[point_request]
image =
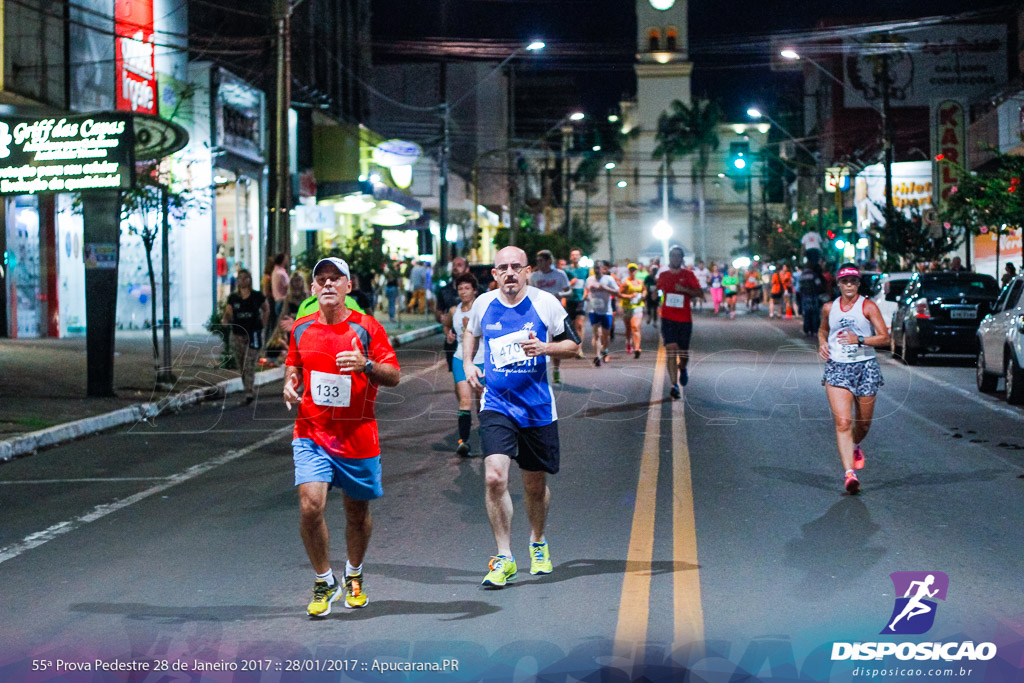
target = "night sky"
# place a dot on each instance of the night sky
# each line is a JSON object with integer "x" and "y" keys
{"x": 592, "y": 41}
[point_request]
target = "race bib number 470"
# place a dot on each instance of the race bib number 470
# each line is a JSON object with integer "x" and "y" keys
{"x": 507, "y": 349}
{"x": 328, "y": 389}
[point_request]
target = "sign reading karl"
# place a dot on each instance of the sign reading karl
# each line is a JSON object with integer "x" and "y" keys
{"x": 66, "y": 154}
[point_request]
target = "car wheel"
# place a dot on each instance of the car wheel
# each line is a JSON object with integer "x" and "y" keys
{"x": 1014, "y": 381}
{"x": 986, "y": 381}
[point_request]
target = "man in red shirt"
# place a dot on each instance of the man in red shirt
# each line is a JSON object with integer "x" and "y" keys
{"x": 339, "y": 356}
{"x": 678, "y": 286}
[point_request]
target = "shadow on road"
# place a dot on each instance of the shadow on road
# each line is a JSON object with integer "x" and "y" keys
{"x": 834, "y": 549}
{"x": 464, "y": 609}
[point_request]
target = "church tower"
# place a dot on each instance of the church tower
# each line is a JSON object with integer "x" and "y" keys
{"x": 663, "y": 68}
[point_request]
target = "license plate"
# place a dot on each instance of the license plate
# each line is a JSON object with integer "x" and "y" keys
{"x": 963, "y": 315}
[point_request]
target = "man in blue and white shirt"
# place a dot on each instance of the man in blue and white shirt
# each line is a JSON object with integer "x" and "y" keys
{"x": 520, "y": 327}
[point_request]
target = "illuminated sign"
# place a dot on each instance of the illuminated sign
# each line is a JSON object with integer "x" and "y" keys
{"x": 69, "y": 154}
{"x": 837, "y": 177}
{"x": 391, "y": 153}
{"x": 951, "y": 137}
{"x": 133, "y": 56}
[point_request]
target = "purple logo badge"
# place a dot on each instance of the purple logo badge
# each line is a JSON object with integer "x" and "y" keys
{"x": 916, "y": 593}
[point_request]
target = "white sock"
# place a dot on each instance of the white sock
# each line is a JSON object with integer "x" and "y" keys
{"x": 352, "y": 571}
{"x": 849, "y": 471}
{"x": 327, "y": 576}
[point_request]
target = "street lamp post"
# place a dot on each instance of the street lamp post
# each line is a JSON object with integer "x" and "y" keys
{"x": 883, "y": 112}
{"x": 446, "y": 115}
{"x": 611, "y": 210}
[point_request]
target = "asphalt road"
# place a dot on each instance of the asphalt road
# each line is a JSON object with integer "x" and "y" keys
{"x": 710, "y": 534}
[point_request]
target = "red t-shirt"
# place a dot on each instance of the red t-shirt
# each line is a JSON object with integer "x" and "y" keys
{"x": 337, "y": 408}
{"x": 676, "y": 306}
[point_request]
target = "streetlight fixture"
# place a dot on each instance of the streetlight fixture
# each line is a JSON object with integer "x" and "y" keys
{"x": 609, "y": 166}
{"x": 613, "y": 118}
{"x": 596, "y": 148}
{"x": 663, "y": 231}
{"x": 790, "y": 53}
{"x": 536, "y": 45}
{"x": 577, "y": 116}
{"x": 622, "y": 183}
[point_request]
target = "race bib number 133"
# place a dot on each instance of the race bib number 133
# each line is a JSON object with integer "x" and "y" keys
{"x": 328, "y": 389}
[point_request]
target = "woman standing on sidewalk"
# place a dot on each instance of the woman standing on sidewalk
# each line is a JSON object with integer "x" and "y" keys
{"x": 247, "y": 312}
{"x": 851, "y": 327}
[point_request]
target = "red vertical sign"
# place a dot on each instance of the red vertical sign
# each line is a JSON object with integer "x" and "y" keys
{"x": 133, "y": 56}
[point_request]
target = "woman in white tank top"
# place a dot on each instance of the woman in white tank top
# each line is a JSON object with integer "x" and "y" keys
{"x": 851, "y": 327}
{"x": 454, "y": 328}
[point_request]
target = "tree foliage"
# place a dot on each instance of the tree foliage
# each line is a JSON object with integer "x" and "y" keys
{"x": 912, "y": 240}
{"x": 531, "y": 240}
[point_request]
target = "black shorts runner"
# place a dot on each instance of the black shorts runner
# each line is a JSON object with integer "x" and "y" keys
{"x": 677, "y": 333}
{"x": 535, "y": 449}
{"x": 574, "y": 308}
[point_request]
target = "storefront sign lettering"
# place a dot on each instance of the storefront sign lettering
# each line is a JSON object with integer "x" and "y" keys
{"x": 133, "y": 56}
{"x": 65, "y": 155}
{"x": 950, "y": 132}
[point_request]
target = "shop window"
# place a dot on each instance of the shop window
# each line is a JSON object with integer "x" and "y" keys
{"x": 653, "y": 40}
{"x": 672, "y": 39}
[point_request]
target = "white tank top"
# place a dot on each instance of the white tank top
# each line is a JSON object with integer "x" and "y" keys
{"x": 855, "y": 321}
{"x": 459, "y": 320}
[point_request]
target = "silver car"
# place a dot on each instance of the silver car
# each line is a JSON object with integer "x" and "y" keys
{"x": 1001, "y": 343}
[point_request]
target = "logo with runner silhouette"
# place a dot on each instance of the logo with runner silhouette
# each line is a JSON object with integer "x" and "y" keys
{"x": 916, "y": 595}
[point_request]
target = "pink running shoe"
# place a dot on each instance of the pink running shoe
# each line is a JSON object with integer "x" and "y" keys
{"x": 852, "y": 484}
{"x": 858, "y": 458}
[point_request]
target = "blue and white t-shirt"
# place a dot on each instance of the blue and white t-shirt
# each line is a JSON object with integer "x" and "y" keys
{"x": 517, "y": 386}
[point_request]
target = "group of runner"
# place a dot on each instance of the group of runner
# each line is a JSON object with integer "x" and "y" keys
{"x": 338, "y": 357}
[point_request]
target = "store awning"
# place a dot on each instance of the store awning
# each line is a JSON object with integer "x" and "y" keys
{"x": 378, "y": 203}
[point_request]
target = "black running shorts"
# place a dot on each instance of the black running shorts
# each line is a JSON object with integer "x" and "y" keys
{"x": 535, "y": 449}
{"x": 677, "y": 333}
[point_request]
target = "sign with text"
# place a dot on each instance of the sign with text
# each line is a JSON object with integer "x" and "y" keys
{"x": 966, "y": 61}
{"x": 69, "y": 154}
{"x": 950, "y": 128}
{"x": 133, "y": 56}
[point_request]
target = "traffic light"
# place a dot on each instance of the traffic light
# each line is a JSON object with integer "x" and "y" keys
{"x": 740, "y": 162}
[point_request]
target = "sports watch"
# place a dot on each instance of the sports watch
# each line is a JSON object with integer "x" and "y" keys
{"x": 860, "y": 340}
{"x": 368, "y": 368}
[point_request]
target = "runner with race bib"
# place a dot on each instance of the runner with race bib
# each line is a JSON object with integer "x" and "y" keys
{"x": 520, "y": 327}
{"x": 340, "y": 357}
{"x": 679, "y": 286}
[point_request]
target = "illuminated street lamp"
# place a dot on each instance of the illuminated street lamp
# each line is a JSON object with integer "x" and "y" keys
{"x": 663, "y": 231}
{"x": 609, "y": 166}
{"x": 577, "y": 116}
{"x": 535, "y": 45}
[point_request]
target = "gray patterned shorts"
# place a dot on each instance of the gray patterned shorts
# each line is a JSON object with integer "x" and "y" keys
{"x": 862, "y": 379}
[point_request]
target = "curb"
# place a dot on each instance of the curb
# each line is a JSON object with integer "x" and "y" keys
{"x": 31, "y": 442}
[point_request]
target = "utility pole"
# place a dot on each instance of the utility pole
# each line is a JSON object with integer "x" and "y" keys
{"x": 887, "y": 149}
{"x": 278, "y": 239}
{"x": 446, "y": 112}
{"x": 611, "y": 216}
{"x": 165, "y": 375}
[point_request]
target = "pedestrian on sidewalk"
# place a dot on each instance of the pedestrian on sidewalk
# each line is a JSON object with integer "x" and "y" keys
{"x": 336, "y": 361}
{"x": 248, "y": 314}
{"x": 851, "y": 327}
{"x": 520, "y": 327}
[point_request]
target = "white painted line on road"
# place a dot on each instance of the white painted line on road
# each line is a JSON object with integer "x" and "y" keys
{"x": 85, "y": 480}
{"x": 100, "y": 511}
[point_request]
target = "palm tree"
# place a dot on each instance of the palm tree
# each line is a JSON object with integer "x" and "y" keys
{"x": 691, "y": 129}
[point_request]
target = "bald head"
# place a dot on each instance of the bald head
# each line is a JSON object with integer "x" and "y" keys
{"x": 510, "y": 255}
{"x": 511, "y": 272}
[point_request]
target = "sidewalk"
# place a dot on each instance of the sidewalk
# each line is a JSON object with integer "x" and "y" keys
{"x": 42, "y": 382}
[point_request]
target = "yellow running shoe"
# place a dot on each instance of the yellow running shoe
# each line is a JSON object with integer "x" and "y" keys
{"x": 503, "y": 570}
{"x": 323, "y": 596}
{"x": 355, "y": 595}
{"x": 540, "y": 559}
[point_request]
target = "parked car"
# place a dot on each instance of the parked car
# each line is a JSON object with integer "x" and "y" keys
{"x": 1001, "y": 343}
{"x": 940, "y": 313}
{"x": 886, "y": 292}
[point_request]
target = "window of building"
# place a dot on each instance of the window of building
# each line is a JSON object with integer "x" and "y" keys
{"x": 672, "y": 39}
{"x": 653, "y": 40}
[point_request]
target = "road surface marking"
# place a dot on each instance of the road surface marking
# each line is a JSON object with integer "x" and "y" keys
{"x": 635, "y": 602}
{"x": 38, "y": 538}
{"x": 88, "y": 480}
{"x": 100, "y": 511}
{"x": 688, "y": 609}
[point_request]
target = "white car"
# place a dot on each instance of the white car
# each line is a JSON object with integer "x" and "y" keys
{"x": 1001, "y": 343}
{"x": 886, "y": 293}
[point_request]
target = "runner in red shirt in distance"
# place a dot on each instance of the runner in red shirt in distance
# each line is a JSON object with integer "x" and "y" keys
{"x": 678, "y": 287}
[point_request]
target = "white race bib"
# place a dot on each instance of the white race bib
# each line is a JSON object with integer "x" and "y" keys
{"x": 675, "y": 300}
{"x": 329, "y": 389}
{"x": 506, "y": 349}
{"x": 635, "y": 300}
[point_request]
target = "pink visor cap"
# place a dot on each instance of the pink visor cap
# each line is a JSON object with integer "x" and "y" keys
{"x": 848, "y": 272}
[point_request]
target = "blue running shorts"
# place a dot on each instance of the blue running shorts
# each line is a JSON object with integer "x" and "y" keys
{"x": 360, "y": 478}
{"x": 460, "y": 372}
{"x": 600, "y": 319}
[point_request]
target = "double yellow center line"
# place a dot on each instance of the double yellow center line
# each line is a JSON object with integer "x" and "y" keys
{"x": 634, "y": 604}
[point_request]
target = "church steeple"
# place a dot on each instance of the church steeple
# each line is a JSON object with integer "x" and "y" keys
{"x": 661, "y": 31}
